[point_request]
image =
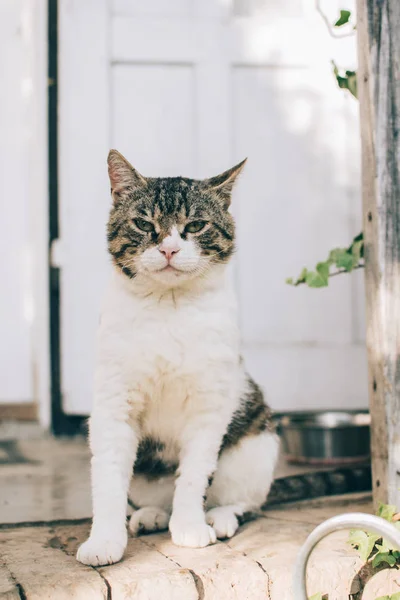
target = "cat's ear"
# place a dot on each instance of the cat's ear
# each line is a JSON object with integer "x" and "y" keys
{"x": 123, "y": 177}
{"x": 223, "y": 184}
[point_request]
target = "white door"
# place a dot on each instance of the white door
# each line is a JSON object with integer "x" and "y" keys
{"x": 191, "y": 87}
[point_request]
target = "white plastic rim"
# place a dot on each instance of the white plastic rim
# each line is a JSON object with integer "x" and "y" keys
{"x": 368, "y": 523}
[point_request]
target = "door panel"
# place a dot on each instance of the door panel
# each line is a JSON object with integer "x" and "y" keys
{"x": 151, "y": 123}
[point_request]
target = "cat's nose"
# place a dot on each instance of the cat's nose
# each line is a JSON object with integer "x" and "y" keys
{"x": 169, "y": 250}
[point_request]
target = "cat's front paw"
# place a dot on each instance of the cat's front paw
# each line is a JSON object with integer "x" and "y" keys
{"x": 99, "y": 550}
{"x": 191, "y": 534}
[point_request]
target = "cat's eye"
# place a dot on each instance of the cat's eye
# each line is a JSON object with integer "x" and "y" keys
{"x": 144, "y": 225}
{"x": 195, "y": 226}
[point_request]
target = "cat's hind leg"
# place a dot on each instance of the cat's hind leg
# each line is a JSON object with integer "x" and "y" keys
{"x": 148, "y": 520}
{"x": 241, "y": 482}
{"x": 152, "y": 499}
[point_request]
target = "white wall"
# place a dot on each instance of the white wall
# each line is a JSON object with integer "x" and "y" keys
{"x": 24, "y": 356}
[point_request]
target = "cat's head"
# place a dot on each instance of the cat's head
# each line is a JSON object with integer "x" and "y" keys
{"x": 171, "y": 229}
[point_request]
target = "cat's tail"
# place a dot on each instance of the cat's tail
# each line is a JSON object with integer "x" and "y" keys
{"x": 345, "y": 480}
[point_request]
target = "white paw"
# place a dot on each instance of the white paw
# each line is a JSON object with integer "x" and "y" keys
{"x": 98, "y": 550}
{"x": 191, "y": 534}
{"x": 148, "y": 519}
{"x": 224, "y": 521}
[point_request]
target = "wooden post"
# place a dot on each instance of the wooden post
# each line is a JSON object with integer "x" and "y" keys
{"x": 378, "y": 27}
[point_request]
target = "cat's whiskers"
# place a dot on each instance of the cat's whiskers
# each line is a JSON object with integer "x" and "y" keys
{"x": 216, "y": 254}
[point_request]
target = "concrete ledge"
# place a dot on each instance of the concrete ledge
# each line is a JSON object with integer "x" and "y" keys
{"x": 38, "y": 562}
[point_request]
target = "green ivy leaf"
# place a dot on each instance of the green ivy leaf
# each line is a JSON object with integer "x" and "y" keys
{"x": 359, "y": 237}
{"x": 351, "y": 83}
{"x": 345, "y": 261}
{"x": 344, "y": 18}
{"x": 383, "y": 557}
{"x": 395, "y": 596}
{"x": 386, "y": 511}
{"x": 315, "y": 280}
{"x": 384, "y": 547}
{"x": 316, "y": 596}
{"x": 334, "y": 255}
{"x": 363, "y": 542}
{"x": 357, "y": 246}
{"x": 335, "y": 68}
{"x": 323, "y": 270}
{"x": 356, "y": 249}
{"x": 319, "y": 277}
{"x": 346, "y": 80}
{"x": 302, "y": 276}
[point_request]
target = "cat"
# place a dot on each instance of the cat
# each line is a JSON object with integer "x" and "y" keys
{"x": 172, "y": 401}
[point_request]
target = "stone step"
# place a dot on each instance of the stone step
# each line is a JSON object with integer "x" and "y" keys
{"x": 38, "y": 562}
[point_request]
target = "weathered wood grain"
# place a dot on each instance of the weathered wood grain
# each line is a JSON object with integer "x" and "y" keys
{"x": 378, "y": 26}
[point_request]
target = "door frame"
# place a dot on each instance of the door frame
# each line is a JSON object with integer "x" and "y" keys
{"x": 61, "y": 423}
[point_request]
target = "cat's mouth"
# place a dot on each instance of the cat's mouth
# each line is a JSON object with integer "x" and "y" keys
{"x": 169, "y": 269}
{"x": 175, "y": 271}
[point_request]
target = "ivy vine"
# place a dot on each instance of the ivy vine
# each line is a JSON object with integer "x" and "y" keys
{"x": 340, "y": 260}
{"x": 344, "y": 259}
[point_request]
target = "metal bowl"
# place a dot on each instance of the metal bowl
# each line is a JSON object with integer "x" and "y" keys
{"x": 326, "y": 437}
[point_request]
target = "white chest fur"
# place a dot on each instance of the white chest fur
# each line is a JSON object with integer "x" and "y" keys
{"x": 170, "y": 347}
